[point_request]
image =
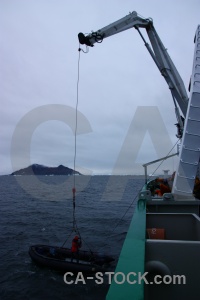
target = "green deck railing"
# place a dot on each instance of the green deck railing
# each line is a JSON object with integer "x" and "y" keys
{"x": 125, "y": 284}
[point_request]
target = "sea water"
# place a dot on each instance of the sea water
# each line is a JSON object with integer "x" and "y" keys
{"x": 39, "y": 210}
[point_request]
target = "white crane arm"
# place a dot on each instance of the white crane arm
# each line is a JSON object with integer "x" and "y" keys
{"x": 156, "y": 50}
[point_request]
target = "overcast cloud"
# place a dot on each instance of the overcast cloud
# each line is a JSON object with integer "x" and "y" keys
{"x": 39, "y": 59}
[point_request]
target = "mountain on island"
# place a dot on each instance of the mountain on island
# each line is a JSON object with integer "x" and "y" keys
{"x": 36, "y": 169}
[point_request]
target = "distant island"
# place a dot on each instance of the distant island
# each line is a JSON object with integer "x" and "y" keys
{"x": 44, "y": 170}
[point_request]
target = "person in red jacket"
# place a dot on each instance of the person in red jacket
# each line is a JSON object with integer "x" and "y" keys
{"x": 76, "y": 245}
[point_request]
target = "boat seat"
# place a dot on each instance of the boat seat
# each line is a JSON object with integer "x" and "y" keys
{"x": 156, "y": 233}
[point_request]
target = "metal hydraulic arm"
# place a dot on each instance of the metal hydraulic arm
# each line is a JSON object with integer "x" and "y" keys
{"x": 157, "y": 51}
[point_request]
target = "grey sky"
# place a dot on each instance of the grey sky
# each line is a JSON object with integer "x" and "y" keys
{"x": 39, "y": 58}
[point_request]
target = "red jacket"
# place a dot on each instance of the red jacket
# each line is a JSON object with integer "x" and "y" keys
{"x": 75, "y": 245}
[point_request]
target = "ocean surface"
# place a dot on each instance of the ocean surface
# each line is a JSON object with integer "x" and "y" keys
{"x": 39, "y": 210}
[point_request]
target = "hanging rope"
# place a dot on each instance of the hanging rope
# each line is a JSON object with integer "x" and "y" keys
{"x": 76, "y": 122}
{"x": 75, "y": 227}
{"x": 66, "y": 239}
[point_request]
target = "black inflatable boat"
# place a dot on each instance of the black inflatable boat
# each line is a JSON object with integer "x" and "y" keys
{"x": 59, "y": 259}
